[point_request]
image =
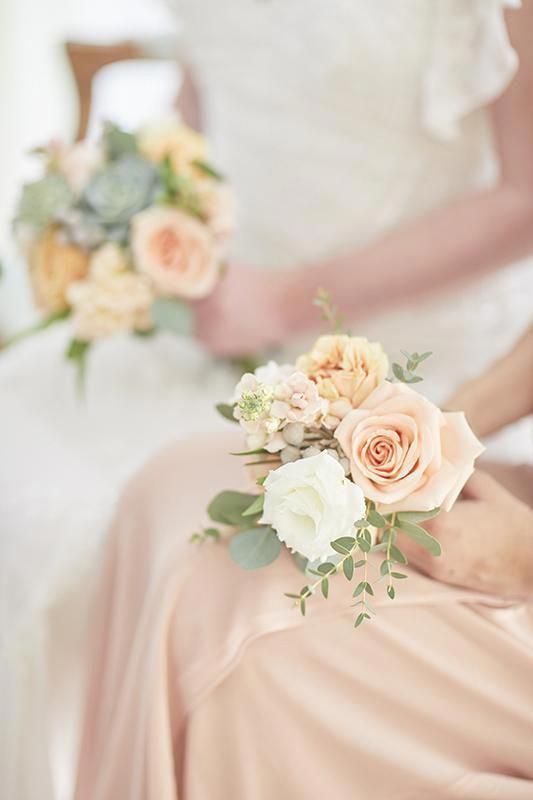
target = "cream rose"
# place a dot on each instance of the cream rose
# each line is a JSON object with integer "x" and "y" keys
{"x": 346, "y": 370}
{"x": 113, "y": 299}
{"x": 176, "y": 251}
{"x": 405, "y": 453}
{"x": 310, "y": 503}
{"x": 54, "y": 265}
{"x": 172, "y": 138}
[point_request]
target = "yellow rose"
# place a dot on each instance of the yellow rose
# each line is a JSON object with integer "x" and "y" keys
{"x": 54, "y": 266}
{"x": 346, "y": 370}
{"x": 174, "y": 139}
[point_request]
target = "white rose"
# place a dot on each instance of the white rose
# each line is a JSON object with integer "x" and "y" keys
{"x": 310, "y": 503}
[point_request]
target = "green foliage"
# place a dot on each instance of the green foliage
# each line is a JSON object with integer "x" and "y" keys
{"x": 77, "y": 352}
{"x": 256, "y": 507}
{"x": 343, "y": 545}
{"x": 329, "y": 312}
{"x": 226, "y": 410}
{"x": 407, "y": 374}
{"x": 125, "y": 187}
{"x": 417, "y": 516}
{"x": 375, "y": 519}
{"x": 207, "y": 534}
{"x": 172, "y": 315}
{"x": 347, "y": 566}
{"x": 208, "y": 170}
{"x": 255, "y": 548}
{"x": 420, "y": 536}
{"x": 44, "y": 201}
{"x": 118, "y": 142}
{"x": 179, "y": 190}
{"x": 227, "y": 507}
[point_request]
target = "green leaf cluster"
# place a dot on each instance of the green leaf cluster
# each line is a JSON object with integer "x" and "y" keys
{"x": 407, "y": 374}
{"x": 172, "y": 315}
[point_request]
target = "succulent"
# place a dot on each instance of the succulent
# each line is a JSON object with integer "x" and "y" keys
{"x": 44, "y": 201}
{"x": 121, "y": 190}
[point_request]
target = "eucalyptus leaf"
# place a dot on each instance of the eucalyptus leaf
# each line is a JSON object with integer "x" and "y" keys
{"x": 255, "y": 548}
{"x": 343, "y": 545}
{"x": 397, "y": 554}
{"x": 256, "y": 507}
{"x": 173, "y": 315}
{"x": 228, "y": 507}
{"x": 326, "y": 569}
{"x": 376, "y": 519}
{"x": 324, "y": 586}
{"x": 391, "y": 592}
{"x": 420, "y": 536}
{"x": 347, "y": 568}
{"x": 417, "y": 516}
{"x": 226, "y": 410}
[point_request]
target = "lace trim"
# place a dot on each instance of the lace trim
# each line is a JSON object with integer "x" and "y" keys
{"x": 473, "y": 62}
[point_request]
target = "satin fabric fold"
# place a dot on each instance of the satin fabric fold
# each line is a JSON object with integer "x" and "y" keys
{"x": 207, "y": 684}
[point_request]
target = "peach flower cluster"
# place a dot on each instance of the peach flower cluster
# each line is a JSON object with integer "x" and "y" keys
{"x": 346, "y": 369}
{"x": 113, "y": 299}
{"x": 176, "y": 251}
{"x": 272, "y": 399}
{"x": 405, "y": 453}
{"x": 398, "y": 447}
{"x": 54, "y": 265}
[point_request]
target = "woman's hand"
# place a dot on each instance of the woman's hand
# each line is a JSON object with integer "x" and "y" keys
{"x": 487, "y": 542}
{"x": 245, "y": 315}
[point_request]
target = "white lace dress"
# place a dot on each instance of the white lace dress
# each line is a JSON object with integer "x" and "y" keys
{"x": 336, "y": 122}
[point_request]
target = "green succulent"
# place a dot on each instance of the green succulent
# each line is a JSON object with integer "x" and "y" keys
{"x": 44, "y": 201}
{"x": 122, "y": 189}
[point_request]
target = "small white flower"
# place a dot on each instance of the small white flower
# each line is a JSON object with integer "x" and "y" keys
{"x": 310, "y": 503}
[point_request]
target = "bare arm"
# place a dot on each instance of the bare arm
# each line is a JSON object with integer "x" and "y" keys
{"x": 503, "y": 394}
{"x": 490, "y": 228}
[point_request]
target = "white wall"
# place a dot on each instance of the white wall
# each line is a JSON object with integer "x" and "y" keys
{"x": 38, "y": 101}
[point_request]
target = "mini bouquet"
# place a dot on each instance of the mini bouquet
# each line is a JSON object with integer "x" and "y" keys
{"x": 345, "y": 457}
{"x": 121, "y": 234}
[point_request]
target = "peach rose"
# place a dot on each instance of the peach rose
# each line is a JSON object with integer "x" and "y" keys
{"x": 54, "y": 266}
{"x": 176, "y": 251}
{"x": 406, "y": 454}
{"x": 174, "y": 139}
{"x": 113, "y": 299}
{"x": 346, "y": 370}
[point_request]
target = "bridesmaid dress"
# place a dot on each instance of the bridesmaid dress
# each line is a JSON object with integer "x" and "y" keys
{"x": 206, "y": 683}
{"x": 342, "y": 121}
{"x": 336, "y": 122}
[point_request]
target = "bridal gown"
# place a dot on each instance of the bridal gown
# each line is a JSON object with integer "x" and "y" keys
{"x": 339, "y": 121}
{"x": 336, "y": 122}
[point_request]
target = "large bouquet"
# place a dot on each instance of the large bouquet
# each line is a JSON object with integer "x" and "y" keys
{"x": 121, "y": 233}
{"x": 346, "y": 457}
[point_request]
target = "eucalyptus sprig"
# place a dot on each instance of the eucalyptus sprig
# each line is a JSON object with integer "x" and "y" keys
{"x": 408, "y": 374}
{"x": 329, "y": 312}
{"x": 347, "y": 547}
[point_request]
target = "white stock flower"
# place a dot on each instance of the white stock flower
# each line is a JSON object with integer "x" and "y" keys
{"x": 310, "y": 503}
{"x": 272, "y": 398}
